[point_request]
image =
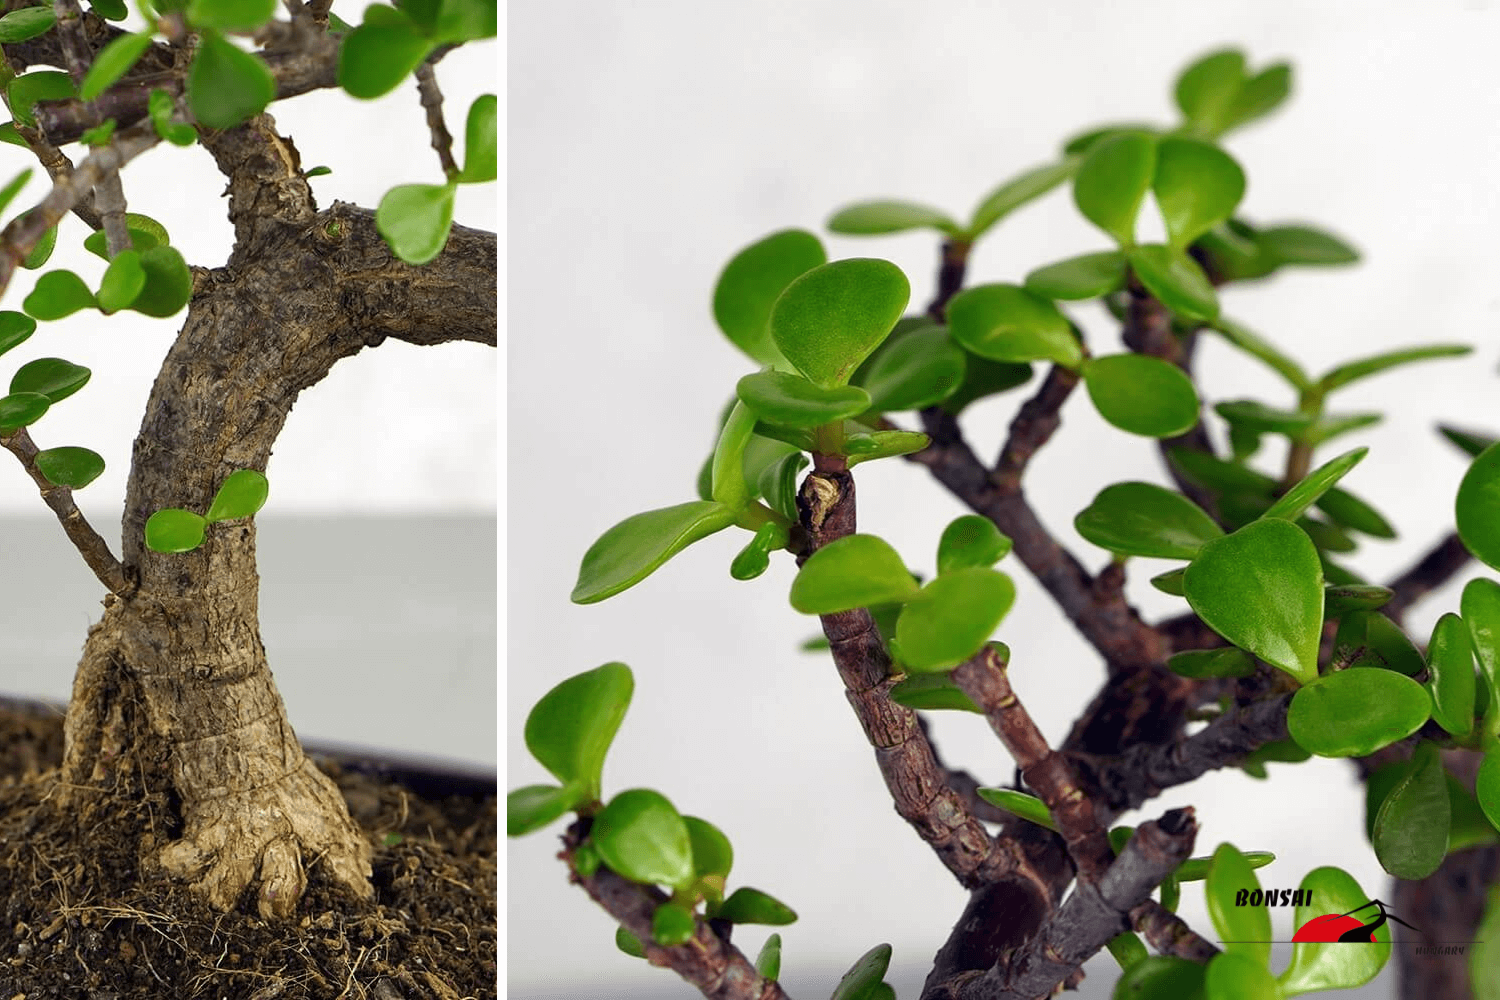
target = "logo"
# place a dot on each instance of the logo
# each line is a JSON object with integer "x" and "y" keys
{"x": 1358, "y": 926}
{"x": 1346, "y": 928}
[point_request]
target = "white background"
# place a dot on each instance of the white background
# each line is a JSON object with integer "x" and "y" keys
{"x": 651, "y": 141}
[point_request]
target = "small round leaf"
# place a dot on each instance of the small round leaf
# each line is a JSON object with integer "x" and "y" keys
{"x": 751, "y": 906}
{"x": 145, "y": 234}
{"x": 21, "y": 409}
{"x": 1451, "y": 681}
{"x": 831, "y": 318}
{"x": 768, "y": 960}
{"x": 751, "y": 283}
{"x": 1176, "y": 280}
{"x": 1141, "y": 394}
{"x": 70, "y": 466}
{"x": 58, "y": 294}
{"x": 1008, "y": 323}
{"x": 242, "y": 493}
{"x": 864, "y": 975}
{"x": 968, "y": 541}
{"x": 1142, "y": 519}
{"x": 1207, "y": 89}
{"x": 672, "y": 924}
{"x": 112, "y": 62}
{"x": 1226, "y": 662}
{"x": 1477, "y": 507}
{"x": 535, "y": 806}
{"x": 174, "y": 530}
{"x": 15, "y": 327}
{"x": 633, "y": 549}
{"x": 570, "y": 729}
{"x": 922, "y": 369}
{"x": 712, "y": 852}
{"x": 375, "y": 57}
{"x": 629, "y": 943}
{"x": 1334, "y": 965}
{"x": 873, "y": 218}
{"x": 950, "y": 618}
{"x": 415, "y": 220}
{"x": 1197, "y": 186}
{"x": 1245, "y": 930}
{"x": 1355, "y": 712}
{"x": 1113, "y": 180}
{"x": 1411, "y": 828}
{"x": 123, "y": 282}
{"x": 793, "y": 401}
{"x": 481, "y": 141}
{"x": 641, "y": 836}
{"x": 1089, "y": 276}
{"x": 52, "y": 377}
{"x": 856, "y": 571}
{"x": 226, "y": 85}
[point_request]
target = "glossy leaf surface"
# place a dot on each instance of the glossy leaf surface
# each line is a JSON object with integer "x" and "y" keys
{"x": 641, "y": 836}
{"x": 1314, "y": 485}
{"x": 1142, "y": 519}
{"x": 1365, "y": 367}
{"x": 1008, "y": 323}
{"x": 1112, "y": 181}
{"x": 70, "y": 466}
{"x": 1355, "y": 712}
{"x": 38, "y": 85}
{"x": 1305, "y": 246}
{"x": 751, "y": 283}
{"x": 1197, "y": 186}
{"x": 831, "y": 318}
{"x": 58, "y": 294}
{"x": 1207, "y": 89}
{"x": 1228, "y": 662}
{"x": 226, "y": 85}
{"x": 1480, "y": 607}
{"x": 242, "y": 494}
{"x": 123, "y": 282}
{"x": 535, "y": 806}
{"x": 145, "y": 234}
{"x": 872, "y": 218}
{"x": 481, "y": 141}
{"x": 26, "y": 23}
{"x": 1451, "y": 680}
{"x": 1260, "y": 95}
{"x": 768, "y": 959}
{"x": 415, "y": 220}
{"x": 21, "y": 409}
{"x": 1334, "y": 965}
{"x": 922, "y": 369}
{"x": 1233, "y": 976}
{"x": 932, "y": 692}
{"x": 169, "y": 283}
{"x": 1018, "y": 191}
{"x": 1243, "y": 930}
{"x": 1262, "y": 589}
{"x": 856, "y": 571}
{"x": 174, "y": 530}
{"x": 864, "y": 975}
{"x": 52, "y": 377}
{"x": 793, "y": 401}
{"x": 751, "y": 906}
{"x": 112, "y": 62}
{"x": 1161, "y": 978}
{"x": 672, "y": 924}
{"x": 633, "y": 549}
{"x": 1088, "y": 276}
{"x": 1411, "y": 828}
{"x": 1142, "y": 395}
{"x": 951, "y": 617}
{"x": 570, "y": 729}
{"x": 1028, "y": 807}
{"x": 15, "y": 327}
{"x": 968, "y": 541}
{"x": 1477, "y": 507}
{"x": 1176, "y": 280}
{"x": 375, "y": 57}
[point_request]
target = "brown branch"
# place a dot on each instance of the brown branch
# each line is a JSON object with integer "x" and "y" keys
{"x": 964, "y": 783}
{"x": 1033, "y": 427}
{"x": 1169, "y": 934}
{"x": 58, "y": 166}
{"x": 94, "y": 549}
{"x": 432, "y": 103}
{"x": 718, "y": 969}
{"x": 950, "y": 277}
{"x": 1441, "y": 563}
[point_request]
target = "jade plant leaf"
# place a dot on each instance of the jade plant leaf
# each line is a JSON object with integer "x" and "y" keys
{"x": 1083, "y": 142}
{"x": 1141, "y": 394}
{"x": 112, "y": 62}
{"x": 174, "y": 530}
{"x": 1085, "y": 277}
{"x": 123, "y": 282}
{"x": 1197, "y": 869}
{"x": 535, "y": 806}
{"x": 1127, "y": 949}
{"x": 70, "y": 466}
{"x": 1176, "y": 280}
{"x": 226, "y": 85}
{"x": 1260, "y": 95}
{"x": 1469, "y": 442}
{"x": 982, "y": 378}
{"x": 1028, "y": 807}
{"x": 1351, "y": 512}
{"x": 1018, "y": 191}
{"x": 862, "y": 447}
{"x": 1411, "y": 828}
{"x": 1477, "y": 507}
{"x": 1142, "y": 519}
{"x": 794, "y": 401}
{"x": 375, "y": 57}
{"x": 1240, "y": 977}
{"x": 1305, "y": 246}
{"x": 778, "y": 482}
{"x": 1370, "y": 639}
{"x": 1487, "y": 786}
{"x": 1262, "y": 589}
{"x": 58, "y": 294}
{"x": 1340, "y": 600}
{"x": 570, "y": 729}
{"x": 38, "y": 85}
{"x": 633, "y": 549}
{"x": 145, "y": 234}
{"x": 1314, "y": 485}
{"x": 1365, "y": 367}
{"x": 1008, "y": 323}
{"x": 629, "y": 943}
{"x": 856, "y": 571}
{"x": 1112, "y": 181}
{"x": 672, "y": 924}
{"x": 922, "y": 369}
{"x": 768, "y": 959}
{"x": 51, "y": 377}
{"x": 1480, "y": 607}
{"x": 642, "y": 837}
{"x": 932, "y": 692}
{"x": 751, "y": 283}
{"x": 230, "y": 15}
{"x": 1243, "y": 930}
{"x": 1161, "y": 977}
{"x": 1207, "y": 89}
{"x": 751, "y": 906}
{"x": 21, "y": 409}
{"x": 1451, "y": 680}
{"x": 242, "y": 494}
{"x": 26, "y": 23}
{"x": 415, "y": 220}
{"x": 169, "y": 283}
{"x": 968, "y": 541}
{"x": 1247, "y": 340}
{"x": 15, "y": 327}
{"x": 1226, "y": 662}
{"x": 728, "y": 477}
{"x": 864, "y": 975}
{"x": 1335, "y": 965}
{"x": 830, "y": 319}
{"x": 1275, "y": 752}
{"x": 481, "y": 139}
{"x": 1261, "y": 418}
{"x": 755, "y": 558}
{"x": 876, "y": 217}
{"x": 713, "y": 855}
{"x": 1355, "y": 712}
{"x": 1170, "y": 582}
{"x": 1197, "y": 186}
{"x": 951, "y": 617}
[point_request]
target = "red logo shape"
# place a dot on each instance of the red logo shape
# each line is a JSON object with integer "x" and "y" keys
{"x": 1330, "y": 928}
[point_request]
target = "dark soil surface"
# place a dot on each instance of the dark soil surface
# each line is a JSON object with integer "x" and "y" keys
{"x": 78, "y": 923}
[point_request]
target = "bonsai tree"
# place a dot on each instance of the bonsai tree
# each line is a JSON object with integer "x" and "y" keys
{"x": 173, "y": 697}
{"x": 1280, "y": 651}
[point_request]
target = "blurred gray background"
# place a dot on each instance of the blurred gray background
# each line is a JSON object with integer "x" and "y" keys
{"x": 650, "y": 141}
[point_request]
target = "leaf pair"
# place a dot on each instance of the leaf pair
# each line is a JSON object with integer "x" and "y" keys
{"x": 390, "y": 43}
{"x": 172, "y": 529}
{"x": 1216, "y": 93}
{"x": 415, "y": 219}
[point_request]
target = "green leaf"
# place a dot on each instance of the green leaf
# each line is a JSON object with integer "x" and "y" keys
{"x": 751, "y": 906}
{"x": 1197, "y": 186}
{"x": 1305, "y": 246}
{"x": 9, "y": 134}
{"x": 42, "y": 252}
{"x": 755, "y": 558}
{"x": 1176, "y": 280}
{"x": 28, "y": 22}
{"x": 629, "y": 943}
{"x": 39, "y": 85}
{"x": 174, "y": 530}
{"x": 712, "y": 852}
{"x": 162, "y": 106}
{"x": 1206, "y": 90}
{"x": 226, "y": 85}
{"x": 535, "y": 806}
{"x": 1358, "y": 597}
{"x": 1365, "y": 367}
{"x": 1142, "y": 519}
{"x": 1262, "y": 589}
{"x": 1260, "y": 95}
{"x": 1467, "y": 441}
{"x": 728, "y": 477}
{"x": 52, "y": 377}
{"x": 751, "y": 283}
{"x": 169, "y": 283}
{"x": 1353, "y": 513}
{"x": 922, "y": 369}
{"x": 1450, "y": 666}
{"x": 1355, "y": 712}
{"x": 831, "y": 318}
{"x": 1411, "y": 828}
{"x": 633, "y": 549}
{"x": 983, "y": 377}
{"x": 14, "y": 329}
{"x": 951, "y": 617}
{"x": 13, "y": 187}
{"x": 1170, "y": 582}
{"x": 1028, "y": 807}
{"x": 415, "y": 220}
{"x": 1480, "y": 607}
{"x": 1127, "y": 949}
{"x": 1161, "y": 977}
{"x": 969, "y": 541}
{"x": 375, "y": 57}
{"x": 98, "y": 135}
{"x": 112, "y": 62}
{"x": 672, "y": 924}
{"x": 856, "y": 571}
{"x": 641, "y": 836}
{"x": 1197, "y": 869}
{"x": 1112, "y": 182}
{"x": 1278, "y": 751}
{"x": 1217, "y": 474}
{"x": 1232, "y": 976}
{"x": 1227, "y": 662}
{"x": 1008, "y": 323}
{"x": 861, "y": 447}
{"x": 793, "y": 401}
{"x": 1018, "y": 191}
{"x": 70, "y": 466}
{"x": 123, "y": 282}
{"x": 145, "y": 234}
{"x": 58, "y": 294}
{"x": 21, "y": 409}
{"x": 1141, "y": 394}
{"x": 312, "y": 172}
{"x": 481, "y": 141}
{"x": 1089, "y": 276}
{"x": 768, "y": 960}
{"x": 1332, "y": 425}
{"x": 243, "y": 16}
{"x": 1251, "y": 343}
{"x": 242, "y": 493}
{"x": 865, "y": 975}
{"x": 1487, "y": 785}
{"x": 873, "y": 218}
{"x": 1314, "y": 485}
{"x": 1245, "y": 930}
{"x": 778, "y": 483}
{"x": 1082, "y": 143}
{"x": 1264, "y": 419}
{"x": 1477, "y": 507}
{"x": 932, "y": 692}
{"x": 1335, "y": 965}
{"x": 570, "y": 729}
